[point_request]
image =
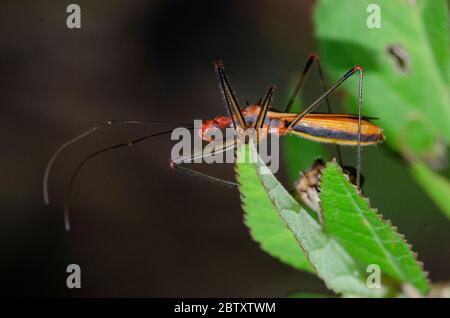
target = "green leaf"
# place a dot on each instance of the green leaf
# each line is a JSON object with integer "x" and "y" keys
{"x": 415, "y": 98}
{"x": 435, "y": 22}
{"x": 330, "y": 261}
{"x": 437, "y": 187}
{"x": 363, "y": 233}
{"x": 266, "y": 227}
{"x": 300, "y": 154}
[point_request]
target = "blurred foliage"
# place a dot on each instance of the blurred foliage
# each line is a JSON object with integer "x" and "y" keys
{"x": 413, "y": 99}
{"x": 435, "y": 185}
{"x": 406, "y": 64}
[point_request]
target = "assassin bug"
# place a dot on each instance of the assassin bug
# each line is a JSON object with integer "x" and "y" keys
{"x": 339, "y": 129}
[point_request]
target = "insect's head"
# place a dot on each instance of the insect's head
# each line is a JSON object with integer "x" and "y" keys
{"x": 210, "y": 127}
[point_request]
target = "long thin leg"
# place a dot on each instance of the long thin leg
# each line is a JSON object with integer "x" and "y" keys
{"x": 230, "y": 98}
{"x": 265, "y": 104}
{"x": 313, "y": 58}
{"x": 206, "y": 177}
{"x": 192, "y": 157}
{"x": 325, "y": 95}
{"x": 359, "y": 165}
{"x": 176, "y": 164}
{"x": 84, "y": 135}
{"x": 324, "y": 88}
{"x": 300, "y": 82}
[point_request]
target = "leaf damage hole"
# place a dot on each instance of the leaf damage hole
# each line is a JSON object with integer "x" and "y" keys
{"x": 400, "y": 58}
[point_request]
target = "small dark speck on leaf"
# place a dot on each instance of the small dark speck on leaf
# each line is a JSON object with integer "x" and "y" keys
{"x": 399, "y": 57}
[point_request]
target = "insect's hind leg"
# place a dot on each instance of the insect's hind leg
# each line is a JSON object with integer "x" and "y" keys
{"x": 360, "y": 92}
{"x": 338, "y": 148}
{"x": 317, "y": 102}
{"x": 313, "y": 59}
{"x": 300, "y": 81}
{"x": 327, "y": 100}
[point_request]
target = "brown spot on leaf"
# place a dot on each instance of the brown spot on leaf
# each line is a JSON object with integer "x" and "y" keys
{"x": 400, "y": 58}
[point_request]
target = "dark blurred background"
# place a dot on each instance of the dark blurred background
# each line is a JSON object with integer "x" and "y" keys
{"x": 139, "y": 228}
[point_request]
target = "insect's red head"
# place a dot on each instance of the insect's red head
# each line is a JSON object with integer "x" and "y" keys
{"x": 209, "y": 127}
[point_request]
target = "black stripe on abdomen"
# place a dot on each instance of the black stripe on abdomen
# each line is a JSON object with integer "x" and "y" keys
{"x": 335, "y": 134}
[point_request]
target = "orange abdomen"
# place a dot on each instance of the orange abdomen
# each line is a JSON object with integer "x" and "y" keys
{"x": 339, "y": 129}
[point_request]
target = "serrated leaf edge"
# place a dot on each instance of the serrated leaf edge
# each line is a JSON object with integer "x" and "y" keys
{"x": 381, "y": 217}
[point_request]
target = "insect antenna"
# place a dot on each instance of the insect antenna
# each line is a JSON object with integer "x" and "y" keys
{"x": 67, "y": 195}
{"x": 83, "y": 135}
